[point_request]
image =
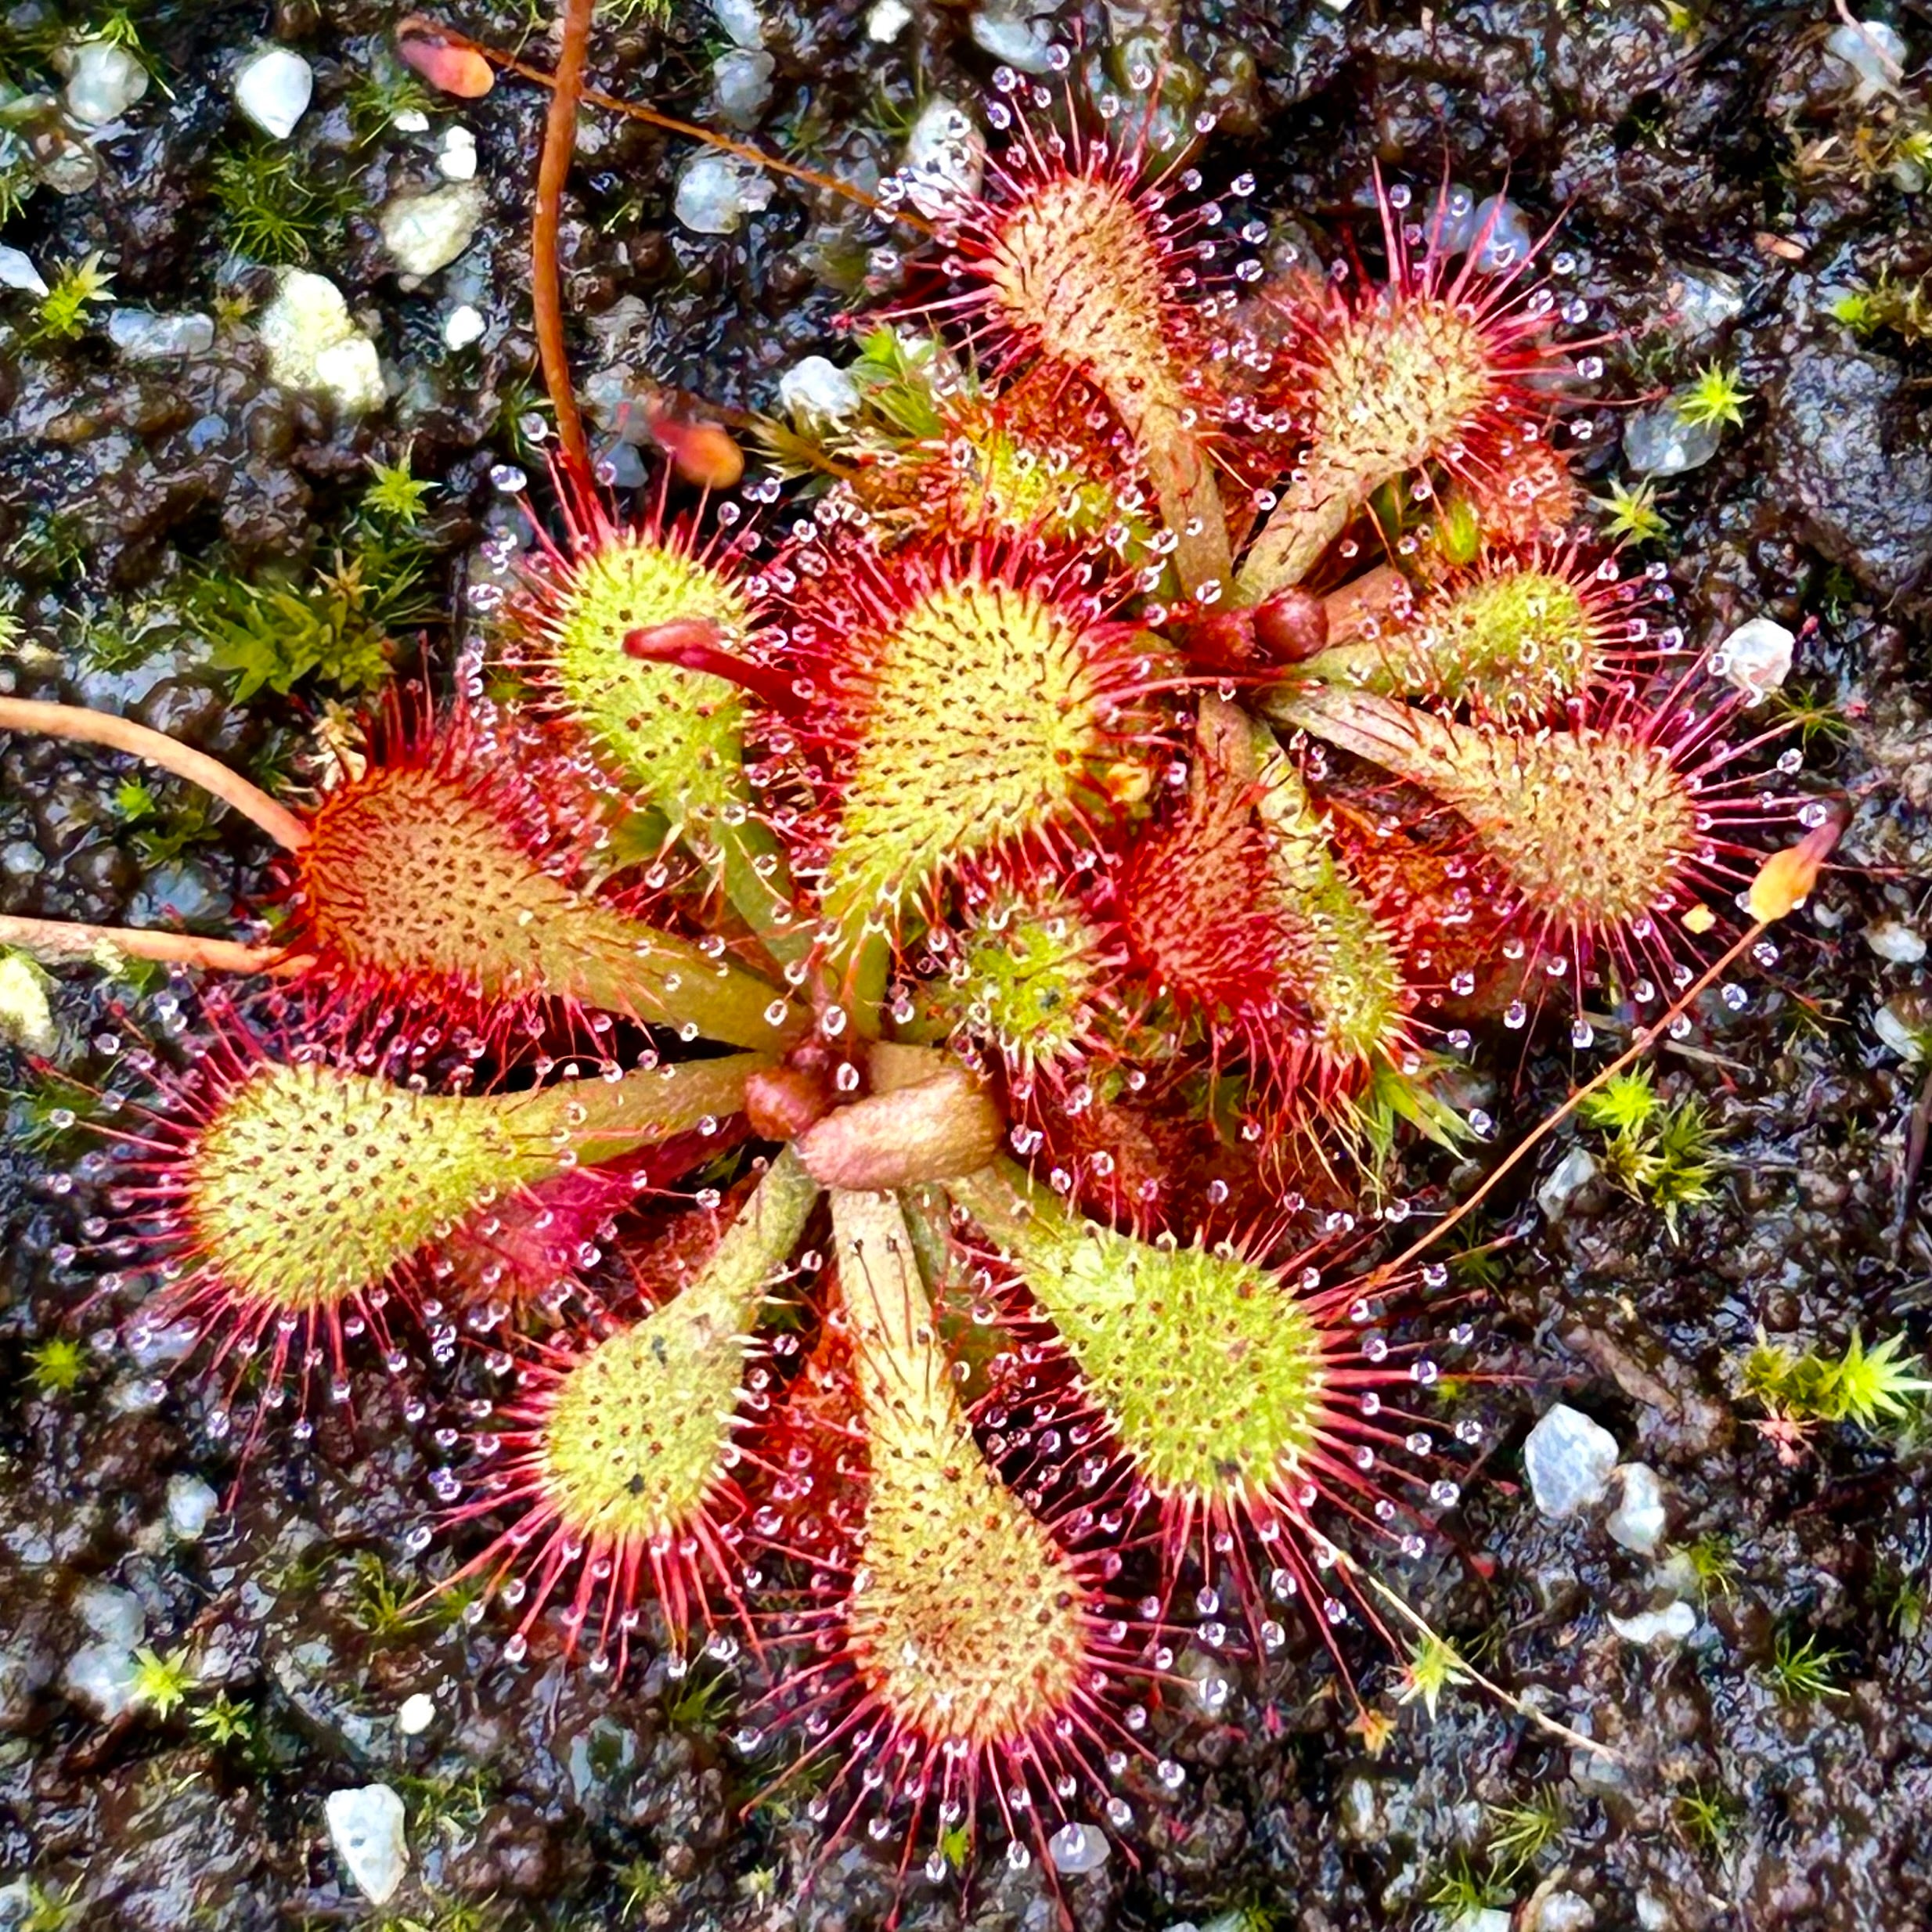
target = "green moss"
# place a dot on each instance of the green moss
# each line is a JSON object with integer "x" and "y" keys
{"x": 273, "y": 211}
{"x": 1707, "y": 1815}
{"x": 223, "y": 1720}
{"x": 62, "y": 313}
{"x": 385, "y": 90}
{"x": 1714, "y": 399}
{"x": 1519, "y": 1835}
{"x": 1873, "y": 1388}
{"x": 1658, "y": 1152}
{"x": 55, "y": 1366}
{"x": 17, "y": 178}
{"x": 1803, "y": 1668}
{"x": 162, "y": 1684}
{"x": 337, "y": 627}
{"x": 1434, "y": 1666}
{"x": 1632, "y": 514}
{"x": 396, "y": 497}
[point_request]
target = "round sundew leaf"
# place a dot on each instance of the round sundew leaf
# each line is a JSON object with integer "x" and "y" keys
{"x": 1341, "y": 960}
{"x": 1514, "y": 643}
{"x": 1031, "y": 979}
{"x": 990, "y": 719}
{"x": 1212, "y": 1374}
{"x": 412, "y": 876}
{"x": 634, "y": 1439}
{"x": 967, "y": 1620}
{"x": 309, "y": 1184}
{"x": 1595, "y": 829}
{"x": 673, "y": 737}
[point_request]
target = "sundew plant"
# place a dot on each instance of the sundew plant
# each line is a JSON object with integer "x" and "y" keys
{"x": 859, "y": 1057}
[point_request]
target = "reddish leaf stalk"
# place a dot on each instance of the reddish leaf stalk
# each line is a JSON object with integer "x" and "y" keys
{"x": 547, "y": 291}
{"x": 693, "y": 644}
{"x": 631, "y": 110}
{"x": 122, "y": 734}
{"x": 63, "y": 942}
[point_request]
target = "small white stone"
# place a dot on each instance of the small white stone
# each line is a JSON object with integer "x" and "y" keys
{"x": 740, "y": 20}
{"x": 425, "y": 232}
{"x": 945, "y": 158}
{"x": 1905, "y": 1032}
{"x": 26, "y": 1018}
{"x": 1756, "y": 657}
{"x": 741, "y": 82}
{"x": 416, "y": 1713}
{"x": 1010, "y": 33}
{"x": 366, "y": 1825}
{"x": 1486, "y": 1918}
{"x": 715, "y": 191}
{"x": 1568, "y": 1459}
{"x": 814, "y": 391}
{"x": 17, "y": 272}
{"x": 101, "y": 1676}
{"x": 1574, "y": 1172}
{"x": 112, "y": 1614}
{"x": 103, "y": 81}
{"x": 1076, "y": 1848}
{"x": 144, "y": 336}
{"x": 1670, "y": 1625}
{"x": 456, "y": 160}
{"x": 1893, "y": 940}
{"x": 888, "y": 19}
{"x": 313, "y": 343}
{"x": 1658, "y": 441}
{"x": 409, "y": 120}
{"x": 464, "y": 325}
{"x": 1561, "y": 1912}
{"x": 351, "y": 372}
{"x": 1875, "y": 53}
{"x": 1639, "y": 1520}
{"x": 191, "y": 1503}
{"x": 273, "y": 88}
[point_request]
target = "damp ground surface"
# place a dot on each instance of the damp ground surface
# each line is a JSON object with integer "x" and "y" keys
{"x": 1723, "y": 183}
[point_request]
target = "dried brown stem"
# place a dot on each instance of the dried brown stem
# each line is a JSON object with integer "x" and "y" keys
{"x": 65, "y": 942}
{"x": 690, "y": 130}
{"x": 546, "y": 287}
{"x": 123, "y": 734}
{"x": 1647, "y": 1037}
{"x": 1522, "y": 1706}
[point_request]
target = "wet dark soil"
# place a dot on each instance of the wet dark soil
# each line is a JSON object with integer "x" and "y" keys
{"x": 1719, "y": 186}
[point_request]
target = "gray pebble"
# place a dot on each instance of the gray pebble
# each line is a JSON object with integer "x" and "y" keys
{"x": 1568, "y": 1459}
{"x": 366, "y": 1826}
{"x": 1637, "y": 1521}
{"x": 143, "y": 337}
{"x": 1659, "y": 442}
